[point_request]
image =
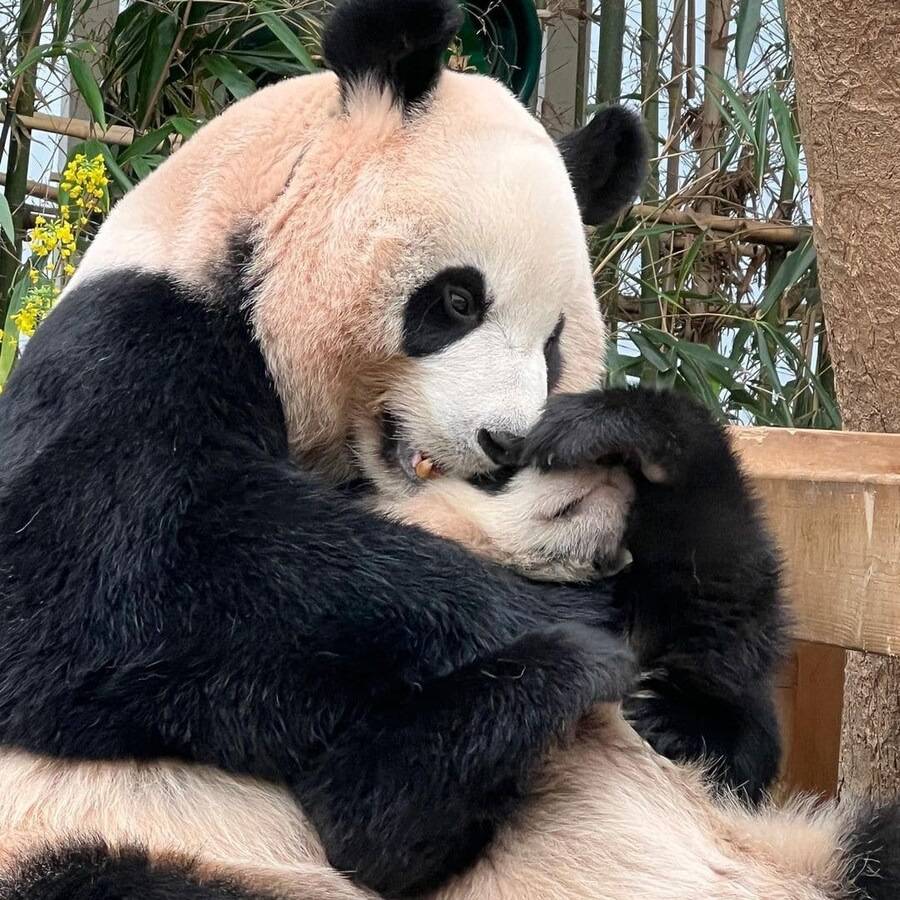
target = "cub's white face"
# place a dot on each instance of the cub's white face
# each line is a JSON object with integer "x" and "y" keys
{"x": 553, "y": 526}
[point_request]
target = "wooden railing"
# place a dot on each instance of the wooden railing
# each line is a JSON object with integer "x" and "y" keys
{"x": 833, "y": 500}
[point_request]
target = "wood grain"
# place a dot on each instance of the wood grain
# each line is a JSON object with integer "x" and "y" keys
{"x": 833, "y": 500}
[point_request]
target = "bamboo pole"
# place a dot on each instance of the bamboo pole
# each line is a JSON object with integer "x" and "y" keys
{"x": 37, "y": 189}
{"x": 748, "y": 230}
{"x": 650, "y": 108}
{"x": 19, "y": 150}
{"x": 78, "y": 128}
{"x": 609, "y": 51}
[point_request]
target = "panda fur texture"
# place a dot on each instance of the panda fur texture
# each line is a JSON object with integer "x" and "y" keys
{"x": 199, "y": 628}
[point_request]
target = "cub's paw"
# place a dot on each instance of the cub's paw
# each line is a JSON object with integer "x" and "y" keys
{"x": 659, "y": 435}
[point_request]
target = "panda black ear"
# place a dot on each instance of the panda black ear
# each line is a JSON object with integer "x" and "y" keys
{"x": 607, "y": 162}
{"x": 395, "y": 44}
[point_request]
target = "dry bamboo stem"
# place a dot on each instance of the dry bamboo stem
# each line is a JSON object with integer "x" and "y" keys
{"x": 78, "y": 128}
{"x": 36, "y": 189}
{"x": 749, "y": 230}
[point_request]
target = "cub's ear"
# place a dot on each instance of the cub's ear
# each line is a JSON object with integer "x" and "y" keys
{"x": 607, "y": 162}
{"x": 393, "y": 44}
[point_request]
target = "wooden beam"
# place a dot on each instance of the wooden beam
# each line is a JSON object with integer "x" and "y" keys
{"x": 833, "y": 500}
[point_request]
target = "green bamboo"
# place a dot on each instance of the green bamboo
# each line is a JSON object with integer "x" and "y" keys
{"x": 609, "y": 54}
{"x": 19, "y": 154}
{"x": 650, "y": 106}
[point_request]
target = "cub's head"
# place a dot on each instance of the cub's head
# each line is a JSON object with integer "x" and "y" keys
{"x": 423, "y": 278}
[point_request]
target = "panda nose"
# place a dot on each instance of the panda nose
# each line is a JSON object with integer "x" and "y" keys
{"x": 501, "y": 447}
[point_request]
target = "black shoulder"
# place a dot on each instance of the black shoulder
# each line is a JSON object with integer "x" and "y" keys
{"x": 134, "y": 356}
{"x": 396, "y": 44}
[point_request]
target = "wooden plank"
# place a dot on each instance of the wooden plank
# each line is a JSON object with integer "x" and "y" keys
{"x": 810, "y": 695}
{"x": 833, "y": 500}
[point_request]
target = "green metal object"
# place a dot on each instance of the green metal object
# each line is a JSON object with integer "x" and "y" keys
{"x": 501, "y": 38}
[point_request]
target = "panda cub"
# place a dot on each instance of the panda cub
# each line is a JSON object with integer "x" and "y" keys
{"x": 640, "y": 491}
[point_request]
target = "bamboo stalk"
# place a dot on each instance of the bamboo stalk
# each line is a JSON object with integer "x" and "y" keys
{"x": 19, "y": 151}
{"x": 609, "y": 51}
{"x": 674, "y": 87}
{"x": 650, "y": 107}
{"x": 691, "y": 50}
{"x": 37, "y": 189}
{"x": 78, "y": 128}
{"x": 749, "y": 230}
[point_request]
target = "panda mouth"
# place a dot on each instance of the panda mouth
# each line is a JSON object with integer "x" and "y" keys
{"x": 416, "y": 465}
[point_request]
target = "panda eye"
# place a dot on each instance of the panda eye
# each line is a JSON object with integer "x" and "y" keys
{"x": 459, "y": 304}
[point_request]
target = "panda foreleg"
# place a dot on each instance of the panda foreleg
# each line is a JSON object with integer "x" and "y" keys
{"x": 411, "y": 794}
{"x": 703, "y": 591}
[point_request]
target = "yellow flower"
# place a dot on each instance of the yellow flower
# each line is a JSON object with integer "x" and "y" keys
{"x": 69, "y": 269}
{"x": 33, "y": 275}
{"x": 40, "y": 220}
{"x": 36, "y": 305}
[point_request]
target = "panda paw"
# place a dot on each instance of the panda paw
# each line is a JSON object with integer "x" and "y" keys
{"x": 659, "y": 435}
{"x": 736, "y": 741}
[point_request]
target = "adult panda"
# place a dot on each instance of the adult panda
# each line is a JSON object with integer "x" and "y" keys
{"x": 175, "y": 585}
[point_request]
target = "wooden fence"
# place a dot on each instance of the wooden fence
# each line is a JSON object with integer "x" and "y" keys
{"x": 833, "y": 500}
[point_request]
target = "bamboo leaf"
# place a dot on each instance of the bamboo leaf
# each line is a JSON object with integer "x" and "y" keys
{"x": 184, "y": 126}
{"x": 287, "y": 37}
{"x": 788, "y": 274}
{"x": 761, "y": 143}
{"x": 791, "y": 351}
{"x": 650, "y": 353}
{"x": 237, "y": 83}
{"x": 145, "y": 144}
{"x": 6, "y": 221}
{"x": 737, "y": 106}
{"x": 154, "y": 61}
{"x": 784, "y": 125}
{"x": 64, "y": 9}
{"x": 700, "y": 385}
{"x": 767, "y": 363}
{"x": 687, "y": 264}
{"x": 9, "y": 342}
{"x": 748, "y": 18}
{"x": 87, "y": 87}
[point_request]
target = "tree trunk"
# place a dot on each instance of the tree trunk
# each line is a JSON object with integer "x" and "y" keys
{"x": 847, "y": 60}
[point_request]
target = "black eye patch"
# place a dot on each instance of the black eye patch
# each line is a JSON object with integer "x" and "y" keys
{"x": 553, "y": 356}
{"x": 443, "y": 310}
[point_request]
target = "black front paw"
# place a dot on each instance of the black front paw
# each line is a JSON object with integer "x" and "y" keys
{"x": 659, "y": 435}
{"x": 737, "y": 740}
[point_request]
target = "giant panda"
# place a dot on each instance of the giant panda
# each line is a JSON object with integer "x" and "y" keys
{"x": 201, "y": 626}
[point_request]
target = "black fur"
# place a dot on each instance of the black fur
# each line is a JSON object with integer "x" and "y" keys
{"x": 875, "y": 847}
{"x": 703, "y": 593}
{"x": 94, "y": 873}
{"x": 172, "y": 585}
{"x": 553, "y": 355}
{"x": 428, "y": 325}
{"x": 397, "y": 44}
{"x": 607, "y": 162}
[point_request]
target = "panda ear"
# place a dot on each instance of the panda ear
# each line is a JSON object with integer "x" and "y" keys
{"x": 394, "y": 44}
{"x": 607, "y": 162}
